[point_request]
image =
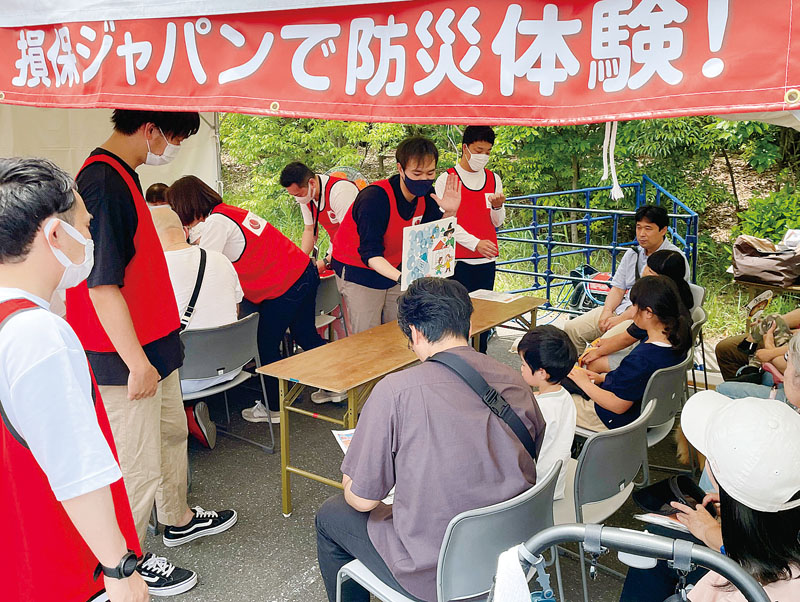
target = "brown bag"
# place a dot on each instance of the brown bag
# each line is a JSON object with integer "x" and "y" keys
{"x": 758, "y": 260}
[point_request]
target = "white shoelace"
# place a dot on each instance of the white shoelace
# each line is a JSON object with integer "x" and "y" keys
{"x": 200, "y": 513}
{"x": 159, "y": 565}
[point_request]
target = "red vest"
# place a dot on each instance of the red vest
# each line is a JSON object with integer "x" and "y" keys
{"x": 270, "y": 262}
{"x": 475, "y": 214}
{"x": 147, "y": 289}
{"x": 345, "y": 247}
{"x": 44, "y": 558}
{"x": 327, "y": 218}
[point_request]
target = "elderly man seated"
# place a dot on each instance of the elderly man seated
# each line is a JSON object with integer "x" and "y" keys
{"x": 426, "y": 433}
{"x": 216, "y": 305}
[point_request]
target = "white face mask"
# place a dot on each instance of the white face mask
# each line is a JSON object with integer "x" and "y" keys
{"x": 170, "y": 152}
{"x": 74, "y": 273}
{"x": 305, "y": 200}
{"x": 477, "y": 161}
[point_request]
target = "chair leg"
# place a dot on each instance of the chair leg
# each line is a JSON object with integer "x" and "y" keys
{"x": 703, "y": 355}
{"x": 340, "y": 578}
{"x": 557, "y": 562}
{"x": 266, "y": 404}
{"x": 584, "y": 581}
{"x": 227, "y": 408}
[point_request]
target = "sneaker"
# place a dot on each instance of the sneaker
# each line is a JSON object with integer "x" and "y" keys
{"x": 164, "y": 578}
{"x": 205, "y": 522}
{"x": 258, "y": 413}
{"x": 324, "y": 396}
{"x": 201, "y": 427}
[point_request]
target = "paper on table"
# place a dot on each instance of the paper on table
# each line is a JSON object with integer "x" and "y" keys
{"x": 343, "y": 438}
{"x": 488, "y": 295}
{"x": 662, "y": 521}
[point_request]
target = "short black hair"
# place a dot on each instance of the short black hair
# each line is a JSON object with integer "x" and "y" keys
{"x": 478, "y": 133}
{"x": 652, "y": 213}
{"x": 295, "y": 173}
{"x": 416, "y": 147}
{"x": 548, "y": 347}
{"x": 171, "y": 123}
{"x": 31, "y": 190}
{"x": 156, "y": 193}
{"x": 436, "y": 307}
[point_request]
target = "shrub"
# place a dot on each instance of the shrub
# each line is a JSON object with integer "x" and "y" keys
{"x": 771, "y": 216}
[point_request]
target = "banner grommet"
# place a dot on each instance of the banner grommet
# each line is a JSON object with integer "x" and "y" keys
{"x": 792, "y": 97}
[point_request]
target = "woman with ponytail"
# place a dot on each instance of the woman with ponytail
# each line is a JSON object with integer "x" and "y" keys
{"x": 614, "y": 399}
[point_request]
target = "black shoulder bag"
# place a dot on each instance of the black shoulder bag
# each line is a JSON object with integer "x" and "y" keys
{"x": 489, "y": 396}
{"x": 201, "y": 270}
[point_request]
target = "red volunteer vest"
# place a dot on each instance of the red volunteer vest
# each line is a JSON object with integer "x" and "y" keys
{"x": 147, "y": 289}
{"x": 270, "y": 262}
{"x": 475, "y": 214}
{"x": 327, "y": 218}
{"x": 44, "y": 558}
{"x": 345, "y": 247}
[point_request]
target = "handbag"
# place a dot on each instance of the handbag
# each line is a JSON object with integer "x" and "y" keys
{"x": 759, "y": 260}
{"x": 656, "y": 498}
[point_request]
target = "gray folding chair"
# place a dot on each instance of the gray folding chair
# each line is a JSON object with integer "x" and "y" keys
{"x": 211, "y": 352}
{"x": 699, "y": 295}
{"x": 602, "y": 478}
{"x": 328, "y": 299}
{"x": 472, "y": 543}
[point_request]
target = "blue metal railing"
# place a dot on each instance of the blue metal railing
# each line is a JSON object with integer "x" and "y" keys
{"x": 540, "y": 236}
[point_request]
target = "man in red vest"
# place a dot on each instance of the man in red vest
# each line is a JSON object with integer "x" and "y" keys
{"x": 60, "y": 483}
{"x": 480, "y": 213}
{"x": 127, "y": 319}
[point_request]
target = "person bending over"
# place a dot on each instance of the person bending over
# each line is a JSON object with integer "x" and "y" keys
{"x": 614, "y": 399}
{"x": 426, "y": 433}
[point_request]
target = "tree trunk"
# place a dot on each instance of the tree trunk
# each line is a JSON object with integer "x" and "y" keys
{"x": 733, "y": 182}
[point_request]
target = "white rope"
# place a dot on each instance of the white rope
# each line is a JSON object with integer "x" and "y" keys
{"x": 605, "y": 151}
{"x": 616, "y": 189}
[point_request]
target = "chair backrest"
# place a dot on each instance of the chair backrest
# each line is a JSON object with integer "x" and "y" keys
{"x": 666, "y": 388}
{"x": 698, "y": 294}
{"x": 610, "y": 460}
{"x": 475, "y": 539}
{"x": 328, "y": 297}
{"x": 212, "y": 352}
{"x": 699, "y": 318}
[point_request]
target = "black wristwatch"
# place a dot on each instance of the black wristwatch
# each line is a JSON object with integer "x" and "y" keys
{"x": 123, "y": 570}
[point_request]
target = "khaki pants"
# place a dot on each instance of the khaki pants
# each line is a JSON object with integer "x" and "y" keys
{"x": 586, "y": 416}
{"x": 729, "y": 357}
{"x": 367, "y": 307}
{"x": 150, "y": 435}
{"x": 585, "y": 328}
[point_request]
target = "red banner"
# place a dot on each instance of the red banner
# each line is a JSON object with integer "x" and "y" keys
{"x": 440, "y": 61}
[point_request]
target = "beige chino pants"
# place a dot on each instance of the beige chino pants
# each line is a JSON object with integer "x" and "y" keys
{"x": 367, "y": 307}
{"x": 585, "y": 328}
{"x": 150, "y": 435}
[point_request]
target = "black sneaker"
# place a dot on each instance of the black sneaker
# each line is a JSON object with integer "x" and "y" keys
{"x": 164, "y": 578}
{"x": 205, "y": 522}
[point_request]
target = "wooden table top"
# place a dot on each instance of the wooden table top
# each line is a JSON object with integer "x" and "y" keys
{"x": 360, "y": 358}
{"x": 793, "y": 288}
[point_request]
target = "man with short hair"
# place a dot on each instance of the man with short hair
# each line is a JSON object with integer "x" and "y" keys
{"x": 62, "y": 488}
{"x": 127, "y": 320}
{"x": 615, "y": 314}
{"x": 324, "y": 201}
{"x": 425, "y": 432}
{"x": 368, "y": 247}
{"x": 481, "y": 212}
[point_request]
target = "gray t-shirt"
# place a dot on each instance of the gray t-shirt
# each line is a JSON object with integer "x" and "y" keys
{"x": 425, "y": 432}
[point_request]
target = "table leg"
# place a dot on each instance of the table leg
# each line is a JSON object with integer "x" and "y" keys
{"x": 286, "y": 489}
{"x": 352, "y": 408}
{"x": 476, "y": 342}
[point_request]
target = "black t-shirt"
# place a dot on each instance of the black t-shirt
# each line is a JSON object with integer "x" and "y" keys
{"x": 371, "y": 214}
{"x": 113, "y": 227}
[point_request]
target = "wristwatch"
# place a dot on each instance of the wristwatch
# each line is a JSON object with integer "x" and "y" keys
{"x": 124, "y": 569}
{"x": 399, "y": 278}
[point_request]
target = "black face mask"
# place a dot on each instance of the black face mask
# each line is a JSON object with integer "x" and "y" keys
{"x": 418, "y": 187}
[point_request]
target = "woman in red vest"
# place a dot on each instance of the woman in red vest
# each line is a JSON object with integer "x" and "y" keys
{"x": 279, "y": 280}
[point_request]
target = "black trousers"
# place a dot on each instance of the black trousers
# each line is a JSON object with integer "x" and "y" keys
{"x": 341, "y": 537}
{"x": 474, "y": 277}
{"x": 293, "y": 310}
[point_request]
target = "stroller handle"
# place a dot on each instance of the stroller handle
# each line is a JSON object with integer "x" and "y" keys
{"x": 653, "y": 546}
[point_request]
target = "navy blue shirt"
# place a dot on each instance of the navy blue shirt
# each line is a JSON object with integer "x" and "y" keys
{"x": 629, "y": 381}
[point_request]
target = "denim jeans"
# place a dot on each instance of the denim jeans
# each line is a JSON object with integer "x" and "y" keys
{"x": 736, "y": 390}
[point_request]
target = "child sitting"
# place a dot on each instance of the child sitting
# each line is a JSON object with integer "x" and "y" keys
{"x": 614, "y": 399}
{"x": 547, "y": 357}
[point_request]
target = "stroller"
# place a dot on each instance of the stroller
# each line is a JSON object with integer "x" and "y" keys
{"x": 597, "y": 539}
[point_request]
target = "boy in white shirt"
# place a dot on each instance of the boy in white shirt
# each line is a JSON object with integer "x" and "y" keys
{"x": 547, "y": 357}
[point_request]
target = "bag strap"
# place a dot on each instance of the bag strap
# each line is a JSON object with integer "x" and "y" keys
{"x": 489, "y": 396}
{"x": 201, "y": 270}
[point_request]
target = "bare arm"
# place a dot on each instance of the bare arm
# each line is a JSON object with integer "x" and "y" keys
{"x": 600, "y": 396}
{"x": 613, "y": 300}
{"x": 112, "y": 310}
{"x": 309, "y": 240}
{"x": 357, "y": 503}
{"x": 792, "y": 319}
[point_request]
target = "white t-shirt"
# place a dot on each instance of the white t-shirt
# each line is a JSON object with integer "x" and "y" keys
{"x": 46, "y": 394}
{"x": 474, "y": 180}
{"x": 343, "y": 194}
{"x": 625, "y": 276}
{"x": 219, "y": 233}
{"x": 216, "y": 304}
{"x": 559, "y": 414}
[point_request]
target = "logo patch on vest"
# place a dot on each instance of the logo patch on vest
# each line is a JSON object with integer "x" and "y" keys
{"x": 416, "y": 221}
{"x": 332, "y": 217}
{"x": 254, "y": 223}
{"x": 488, "y": 201}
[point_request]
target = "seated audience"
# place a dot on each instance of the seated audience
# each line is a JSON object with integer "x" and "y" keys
{"x": 156, "y": 195}
{"x": 217, "y": 304}
{"x": 426, "y": 433}
{"x": 547, "y": 357}
{"x": 616, "y": 313}
{"x": 758, "y": 499}
{"x": 279, "y": 281}
{"x": 614, "y": 399}
{"x": 607, "y": 352}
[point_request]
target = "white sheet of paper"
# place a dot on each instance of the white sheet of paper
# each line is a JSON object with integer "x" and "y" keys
{"x": 343, "y": 438}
